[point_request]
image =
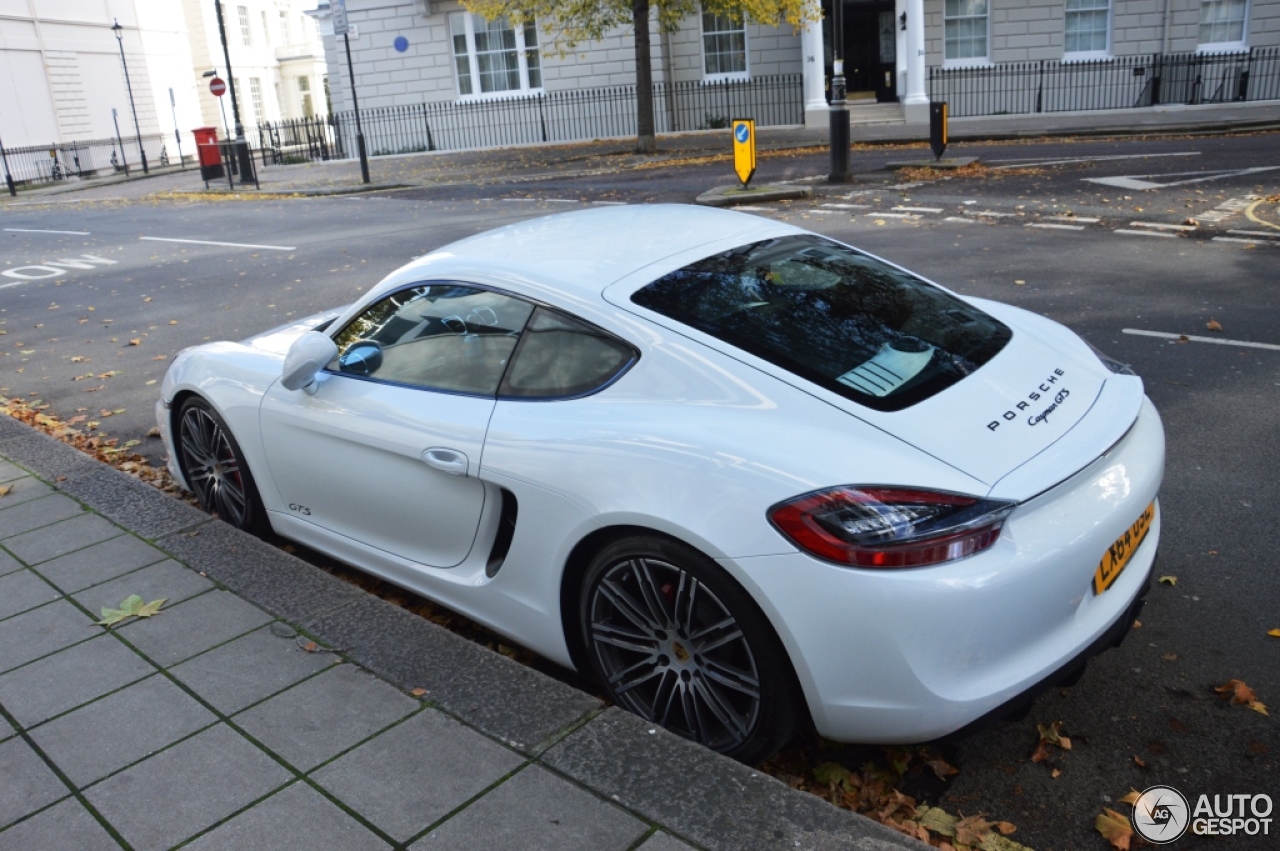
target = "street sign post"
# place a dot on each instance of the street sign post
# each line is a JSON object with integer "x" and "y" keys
{"x": 744, "y": 149}
{"x": 338, "y": 13}
{"x": 217, "y": 87}
{"x": 938, "y": 128}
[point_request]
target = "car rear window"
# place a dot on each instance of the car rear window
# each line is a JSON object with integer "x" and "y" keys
{"x": 833, "y": 315}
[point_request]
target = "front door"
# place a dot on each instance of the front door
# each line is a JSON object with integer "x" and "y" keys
{"x": 870, "y": 44}
{"x": 387, "y": 450}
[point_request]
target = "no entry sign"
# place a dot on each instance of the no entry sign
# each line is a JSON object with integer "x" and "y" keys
{"x": 218, "y": 86}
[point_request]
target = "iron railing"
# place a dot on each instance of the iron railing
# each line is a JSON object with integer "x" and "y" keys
{"x": 1123, "y": 82}
{"x": 567, "y": 116}
{"x": 34, "y": 165}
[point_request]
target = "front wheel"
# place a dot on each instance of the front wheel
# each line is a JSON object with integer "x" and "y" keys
{"x": 215, "y": 468}
{"x": 676, "y": 641}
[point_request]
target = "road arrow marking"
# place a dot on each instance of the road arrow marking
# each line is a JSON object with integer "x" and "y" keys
{"x": 1137, "y": 181}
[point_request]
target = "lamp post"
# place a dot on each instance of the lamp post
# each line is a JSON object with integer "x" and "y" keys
{"x": 839, "y": 134}
{"x": 221, "y": 105}
{"x": 119, "y": 31}
{"x": 242, "y": 147}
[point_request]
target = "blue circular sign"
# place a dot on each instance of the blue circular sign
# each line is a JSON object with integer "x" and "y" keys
{"x": 742, "y": 133}
{"x": 401, "y": 43}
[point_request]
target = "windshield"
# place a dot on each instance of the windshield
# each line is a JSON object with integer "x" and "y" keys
{"x": 833, "y": 315}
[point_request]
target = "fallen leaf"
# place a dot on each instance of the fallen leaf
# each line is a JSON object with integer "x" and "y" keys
{"x": 1132, "y": 797}
{"x": 130, "y": 608}
{"x": 311, "y": 647}
{"x": 1169, "y": 657}
{"x": 1274, "y": 633}
{"x": 1139, "y": 761}
{"x": 942, "y": 768}
{"x": 1114, "y": 828}
{"x": 1239, "y": 693}
{"x": 136, "y": 341}
{"x": 972, "y": 830}
{"x": 5, "y": 490}
{"x": 1168, "y": 580}
{"x": 1213, "y": 325}
{"x": 1019, "y": 282}
{"x": 1049, "y": 735}
{"x": 417, "y": 692}
{"x": 1056, "y": 773}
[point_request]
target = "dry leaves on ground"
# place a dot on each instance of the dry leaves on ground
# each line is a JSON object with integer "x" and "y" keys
{"x": 1050, "y": 736}
{"x": 1241, "y": 695}
{"x": 1114, "y": 828}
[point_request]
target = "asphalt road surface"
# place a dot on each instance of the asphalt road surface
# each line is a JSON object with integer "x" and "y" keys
{"x": 96, "y": 298}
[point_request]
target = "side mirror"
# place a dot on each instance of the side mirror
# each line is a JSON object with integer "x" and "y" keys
{"x": 309, "y": 354}
{"x": 361, "y": 358}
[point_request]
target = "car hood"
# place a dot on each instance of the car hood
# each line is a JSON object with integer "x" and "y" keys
{"x": 278, "y": 340}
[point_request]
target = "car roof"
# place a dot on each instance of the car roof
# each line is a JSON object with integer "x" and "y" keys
{"x": 583, "y": 252}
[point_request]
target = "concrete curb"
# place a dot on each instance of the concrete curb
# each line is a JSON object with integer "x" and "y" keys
{"x": 677, "y": 786}
{"x": 732, "y": 196}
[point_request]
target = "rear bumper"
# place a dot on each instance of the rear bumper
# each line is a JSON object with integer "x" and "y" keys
{"x": 898, "y": 656}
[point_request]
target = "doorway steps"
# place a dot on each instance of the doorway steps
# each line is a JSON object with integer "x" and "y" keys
{"x": 864, "y": 112}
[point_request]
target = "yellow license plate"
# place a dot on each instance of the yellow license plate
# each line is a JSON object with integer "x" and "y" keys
{"x": 1119, "y": 553}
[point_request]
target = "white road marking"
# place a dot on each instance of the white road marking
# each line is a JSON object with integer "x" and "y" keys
{"x": 39, "y": 230}
{"x": 1245, "y": 240}
{"x": 1053, "y": 226}
{"x": 901, "y": 209}
{"x": 1161, "y": 226}
{"x": 1146, "y": 233}
{"x": 892, "y": 215}
{"x": 52, "y": 269}
{"x": 991, "y": 213}
{"x": 1218, "y": 341}
{"x": 1084, "y": 220}
{"x": 610, "y": 203}
{"x": 1227, "y": 209}
{"x": 753, "y": 209}
{"x": 1027, "y": 162}
{"x": 961, "y": 219}
{"x": 1262, "y": 233}
{"x": 847, "y": 206}
{"x": 226, "y": 244}
{"x": 1136, "y": 181}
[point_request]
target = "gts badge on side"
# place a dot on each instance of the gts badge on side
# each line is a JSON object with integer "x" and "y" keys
{"x": 301, "y": 509}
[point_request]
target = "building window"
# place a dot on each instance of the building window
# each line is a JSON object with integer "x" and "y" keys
{"x": 266, "y": 33}
{"x": 255, "y": 93}
{"x": 286, "y": 37}
{"x": 244, "y": 25}
{"x": 1087, "y": 26}
{"x": 1222, "y": 22}
{"x": 491, "y": 57}
{"x": 724, "y": 47}
{"x": 964, "y": 32}
{"x": 304, "y": 92}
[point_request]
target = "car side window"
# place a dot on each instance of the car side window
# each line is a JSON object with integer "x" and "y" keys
{"x": 560, "y": 356}
{"x": 440, "y": 336}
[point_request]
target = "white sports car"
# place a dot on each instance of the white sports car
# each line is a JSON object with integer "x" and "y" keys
{"x": 746, "y": 475}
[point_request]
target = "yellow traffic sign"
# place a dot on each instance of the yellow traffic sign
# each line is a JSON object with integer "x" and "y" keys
{"x": 744, "y": 149}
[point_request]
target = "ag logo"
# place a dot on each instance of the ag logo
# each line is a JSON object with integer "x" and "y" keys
{"x": 1161, "y": 815}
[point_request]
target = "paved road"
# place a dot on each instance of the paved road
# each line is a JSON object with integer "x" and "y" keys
{"x": 982, "y": 234}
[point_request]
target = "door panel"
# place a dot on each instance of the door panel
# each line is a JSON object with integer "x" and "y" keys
{"x": 353, "y": 459}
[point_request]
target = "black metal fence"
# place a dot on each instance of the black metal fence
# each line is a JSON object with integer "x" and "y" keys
{"x": 34, "y": 165}
{"x": 1123, "y": 82}
{"x": 565, "y": 116}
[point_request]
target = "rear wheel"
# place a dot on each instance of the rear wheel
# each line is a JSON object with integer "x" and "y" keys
{"x": 215, "y": 468}
{"x": 676, "y": 641}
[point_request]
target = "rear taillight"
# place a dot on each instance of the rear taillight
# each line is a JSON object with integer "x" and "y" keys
{"x": 889, "y": 527}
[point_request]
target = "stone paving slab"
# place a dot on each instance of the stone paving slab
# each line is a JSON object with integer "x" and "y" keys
{"x": 99, "y": 563}
{"x": 104, "y": 736}
{"x": 248, "y": 669}
{"x": 167, "y": 580}
{"x": 22, "y": 489}
{"x": 8, "y": 470}
{"x": 323, "y": 716}
{"x": 28, "y": 783}
{"x": 67, "y": 826}
{"x": 297, "y": 819}
{"x": 33, "y": 515}
{"x": 65, "y": 680}
{"x": 416, "y": 773}
{"x": 193, "y": 626}
{"x": 24, "y": 590}
{"x": 8, "y": 563}
{"x": 186, "y": 789}
{"x": 41, "y": 631}
{"x": 536, "y": 809}
{"x": 56, "y": 539}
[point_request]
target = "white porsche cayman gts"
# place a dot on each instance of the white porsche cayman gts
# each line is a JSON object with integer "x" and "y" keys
{"x": 745, "y": 475}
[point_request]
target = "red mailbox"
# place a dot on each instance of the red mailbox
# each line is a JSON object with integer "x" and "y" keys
{"x": 210, "y": 154}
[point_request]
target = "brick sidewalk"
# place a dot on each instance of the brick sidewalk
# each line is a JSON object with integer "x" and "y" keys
{"x": 272, "y": 705}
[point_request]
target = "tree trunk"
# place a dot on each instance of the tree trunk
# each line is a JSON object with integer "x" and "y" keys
{"x": 646, "y": 142}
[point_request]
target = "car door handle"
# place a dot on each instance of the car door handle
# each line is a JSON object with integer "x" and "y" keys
{"x": 450, "y": 461}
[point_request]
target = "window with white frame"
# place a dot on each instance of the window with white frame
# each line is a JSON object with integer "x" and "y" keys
{"x": 493, "y": 57}
{"x": 266, "y": 33}
{"x": 304, "y": 92}
{"x": 286, "y": 36}
{"x": 1087, "y": 27}
{"x": 964, "y": 30}
{"x": 255, "y": 91}
{"x": 243, "y": 12}
{"x": 1222, "y": 22}
{"x": 724, "y": 47}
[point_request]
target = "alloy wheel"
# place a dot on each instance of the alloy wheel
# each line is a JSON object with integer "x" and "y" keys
{"x": 212, "y": 467}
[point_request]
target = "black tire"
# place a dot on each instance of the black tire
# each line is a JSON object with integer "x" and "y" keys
{"x": 215, "y": 468}
{"x": 675, "y": 640}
